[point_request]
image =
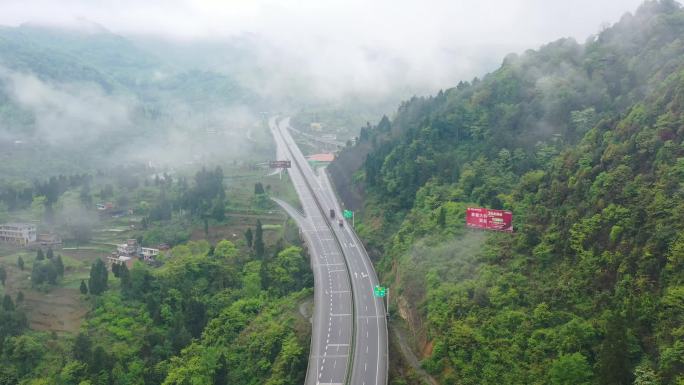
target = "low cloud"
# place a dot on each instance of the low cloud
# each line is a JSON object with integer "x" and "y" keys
{"x": 346, "y": 46}
{"x": 66, "y": 112}
{"x": 113, "y": 129}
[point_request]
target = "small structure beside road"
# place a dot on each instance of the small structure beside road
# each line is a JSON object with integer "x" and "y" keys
{"x": 320, "y": 159}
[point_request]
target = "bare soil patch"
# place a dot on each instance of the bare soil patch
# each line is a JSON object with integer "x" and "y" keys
{"x": 60, "y": 310}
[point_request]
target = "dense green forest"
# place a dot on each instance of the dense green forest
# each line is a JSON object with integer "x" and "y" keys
{"x": 584, "y": 144}
{"x": 210, "y": 315}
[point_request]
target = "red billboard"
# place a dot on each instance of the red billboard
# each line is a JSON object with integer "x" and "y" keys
{"x": 482, "y": 218}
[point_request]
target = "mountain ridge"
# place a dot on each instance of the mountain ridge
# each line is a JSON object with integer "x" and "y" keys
{"x": 584, "y": 144}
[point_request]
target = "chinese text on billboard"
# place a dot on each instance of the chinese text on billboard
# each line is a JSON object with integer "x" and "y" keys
{"x": 483, "y": 218}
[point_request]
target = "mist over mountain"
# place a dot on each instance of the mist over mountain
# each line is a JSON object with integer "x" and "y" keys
{"x": 93, "y": 92}
{"x": 102, "y": 96}
{"x": 582, "y": 142}
{"x": 135, "y": 139}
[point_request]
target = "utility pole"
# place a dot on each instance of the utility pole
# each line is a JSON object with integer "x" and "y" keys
{"x": 387, "y": 314}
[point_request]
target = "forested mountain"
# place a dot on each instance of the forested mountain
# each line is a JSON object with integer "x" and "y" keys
{"x": 115, "y": 63}
{"x": 101, "y": 97}
{"x": 583, "y": 142}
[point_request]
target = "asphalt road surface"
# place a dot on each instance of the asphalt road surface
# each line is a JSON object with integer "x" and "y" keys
{"x": 344, "y": 325}
{"x": 331, "y": 340}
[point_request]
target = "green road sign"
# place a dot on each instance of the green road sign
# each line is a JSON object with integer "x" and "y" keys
{"x": 348, "y": 214}
{"x": 379, "y": 291}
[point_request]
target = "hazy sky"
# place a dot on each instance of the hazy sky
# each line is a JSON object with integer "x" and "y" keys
{"x": 363, "y": 21}
{"x": 426, "y": 42}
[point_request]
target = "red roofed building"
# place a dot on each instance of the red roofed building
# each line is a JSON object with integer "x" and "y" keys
{"x": 322, "y": 158}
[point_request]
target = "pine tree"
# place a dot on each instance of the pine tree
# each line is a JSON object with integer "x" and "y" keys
{"x": 249, "y": 237}
{"x": 50, "y": 254}
{"x": 441, "y": 219}
{"x": 98, "y": 278}
{"x": 259, "y": 241}
{"x": 258, "y": 188}
{"x": 84, "y": 288}
{"x": 3, "y": 275}
{"x": 99, "y": 360}
{"x": 39, "y": 255}
{"x": 82, "y": 348}
{"x": 7, "y": 303}
{"x": 20, "y": 297}
{"x": 37, "y": 274}
{"x": 20, "y": 263}
{"x": 50, "y": 271}
{"x": 125, "y": 277}
{"x": 218, "y": 210}
{"x": 59, "y": 266}
{"x": 103, "y": 274}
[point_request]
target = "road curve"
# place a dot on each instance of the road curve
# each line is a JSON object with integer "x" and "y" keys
{"x": 331, "y": 339}
{"x": 369, "y": 361}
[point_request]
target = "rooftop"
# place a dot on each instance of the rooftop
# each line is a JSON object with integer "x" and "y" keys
{"x": 321, "y": 157}
{"x": 18, "y": 224}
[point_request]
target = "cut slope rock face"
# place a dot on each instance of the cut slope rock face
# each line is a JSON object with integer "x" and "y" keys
{"x": 583, "y": 142}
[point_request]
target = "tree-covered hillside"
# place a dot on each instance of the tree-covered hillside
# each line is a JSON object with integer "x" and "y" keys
{"x": 584, "y": 143}
{"x": 210, "y": 315}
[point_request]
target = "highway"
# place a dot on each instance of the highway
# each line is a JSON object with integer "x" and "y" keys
{"x": 332, "y": 329}
{"x": 345, "y": 322}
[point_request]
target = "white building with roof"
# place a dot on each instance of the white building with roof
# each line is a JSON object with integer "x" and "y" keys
{"x": 129, "y": 248}
{"x": 149, "y": 253}
{"x": 133, "y": 249}
{"x": 20, "y": 234}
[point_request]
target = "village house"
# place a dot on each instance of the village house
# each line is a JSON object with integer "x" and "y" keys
{"x": 19, "y": 234}
{"x": 149, "y": 253}
{"x": 131, "y": 250}
{"x": 120, "y": 260}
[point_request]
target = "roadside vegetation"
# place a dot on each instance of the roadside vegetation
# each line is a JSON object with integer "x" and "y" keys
{"x": 209, "y": 315}
{"x": 583, "y": 142}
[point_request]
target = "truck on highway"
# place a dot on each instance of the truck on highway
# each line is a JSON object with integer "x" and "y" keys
{"x": 332, "y": 213}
